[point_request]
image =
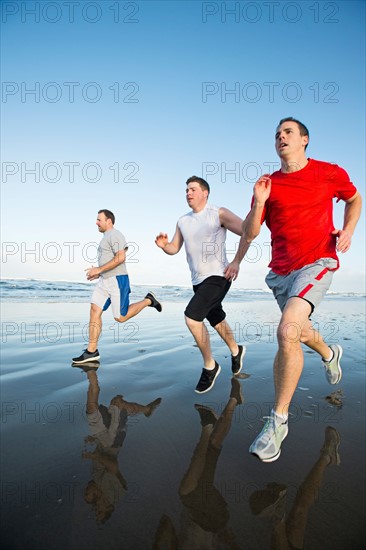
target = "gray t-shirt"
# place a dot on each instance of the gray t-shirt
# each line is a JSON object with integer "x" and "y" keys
{"x": 113, "y": 241}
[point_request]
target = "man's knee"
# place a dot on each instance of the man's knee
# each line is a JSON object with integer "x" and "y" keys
{"x": 288, "y": 333}
{"x": 294, "y": 322}
{"x": 95, "y": 311}
{"x": 191, "y": 322}
{"x": 121, "y": 319}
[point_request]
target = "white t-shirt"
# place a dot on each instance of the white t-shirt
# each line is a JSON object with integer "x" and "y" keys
{"x": 204, "y": 240}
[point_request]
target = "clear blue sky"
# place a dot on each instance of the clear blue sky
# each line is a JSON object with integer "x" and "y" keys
{"x": 114, "y": 104}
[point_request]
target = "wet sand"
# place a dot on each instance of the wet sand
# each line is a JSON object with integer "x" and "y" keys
{"x": 178, "y": 477}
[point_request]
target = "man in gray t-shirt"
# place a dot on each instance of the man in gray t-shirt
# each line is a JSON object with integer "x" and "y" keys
{"x": 113, "y": 241}
{"x": 113, "y": 286}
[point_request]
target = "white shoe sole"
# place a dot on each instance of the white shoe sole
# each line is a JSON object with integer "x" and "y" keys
{"x": 272, "y": 458}
{"x": 339, "y": 367}
{"x": 90, "y": 360}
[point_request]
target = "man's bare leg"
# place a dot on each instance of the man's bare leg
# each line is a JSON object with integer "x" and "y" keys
{"x": 134, "y": 309}
{"x": 95, "y": 327}
{"x": 295, "y": 328}
{"x": 225, "y": 332}
{"x": 289, "y": 360}
{"x": 95, "y": 322}
{"x": 313, "y": 340}
{"x": 200, "y": 333}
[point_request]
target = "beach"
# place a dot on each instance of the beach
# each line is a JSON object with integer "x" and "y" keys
{"x": 168, "y": 482}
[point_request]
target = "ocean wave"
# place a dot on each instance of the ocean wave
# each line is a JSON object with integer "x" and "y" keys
{"x": 38, "y": 290}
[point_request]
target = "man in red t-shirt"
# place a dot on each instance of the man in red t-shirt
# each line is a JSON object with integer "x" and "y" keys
{"x": 296, "y": 203}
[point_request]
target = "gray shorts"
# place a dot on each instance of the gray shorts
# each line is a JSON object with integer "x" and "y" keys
{"x": 311, "y": 283}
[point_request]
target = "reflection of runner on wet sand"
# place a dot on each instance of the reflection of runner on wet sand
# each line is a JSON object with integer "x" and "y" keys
{"x": 205, "y": 514}
{"x": 289, "y": 532}
{"x": 108, "y": 426}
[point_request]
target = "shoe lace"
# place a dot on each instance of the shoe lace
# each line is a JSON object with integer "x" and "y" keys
{"x": 205, "y": 375}
{"x": 329, "y": 364}
{"x": 268, "y": 429}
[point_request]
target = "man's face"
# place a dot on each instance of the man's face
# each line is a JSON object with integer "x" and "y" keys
{"x": 103, "y": 223}
{"x": 288, "y": 140}
{"x": 196, "y": 196}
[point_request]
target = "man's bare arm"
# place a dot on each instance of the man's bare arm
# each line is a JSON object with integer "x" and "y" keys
{"x": 230, "y": 221}
{"x": 252, "y": 224}
{"x": 94, "y": 272}
{"x": 232, "y": 270}
{"x": 352, "y": 212}
{"x": 172, "y": 247}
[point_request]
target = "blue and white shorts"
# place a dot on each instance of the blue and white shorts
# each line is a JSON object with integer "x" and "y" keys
{"x": 113, "y": 290}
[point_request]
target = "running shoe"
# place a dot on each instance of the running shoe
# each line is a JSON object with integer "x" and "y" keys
{"x": 154, "y": 301}
{"x": 237, "y": 361}
{"x": 267, "y": 445}
{"x": 207, "y": 379}
{"x": 86, "y": 357}
{"x": 333, "y": 371}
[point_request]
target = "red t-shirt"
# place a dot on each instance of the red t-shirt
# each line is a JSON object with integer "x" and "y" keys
{"x": 299, "y": 214}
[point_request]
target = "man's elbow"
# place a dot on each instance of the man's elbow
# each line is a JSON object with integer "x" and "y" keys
{"x": 120, "y": 259}
{"x": 250, "y": 237}
{"x": 249, "y": 234}
{"x": 171, "y": 251}
{"x": 356, "y": 200}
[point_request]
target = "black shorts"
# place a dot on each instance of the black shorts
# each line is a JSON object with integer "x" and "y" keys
{"x": 207, "y": 299}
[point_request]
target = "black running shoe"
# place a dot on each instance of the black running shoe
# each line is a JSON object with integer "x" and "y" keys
{"x": 237, "y": 361}
{"x": 154, "y": 302}
{"x": 207, "y": 379}
{"x": 86, "y": 357}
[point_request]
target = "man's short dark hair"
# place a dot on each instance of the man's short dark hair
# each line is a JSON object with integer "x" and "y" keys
{"x": 201, "y": 182}
{"x": 303, "y": 129}
{"x": 108, "y": 214}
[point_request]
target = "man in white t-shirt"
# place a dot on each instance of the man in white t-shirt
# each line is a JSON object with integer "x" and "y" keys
{"x": 203, "y": 232}
{"x": 113, "y": 286}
